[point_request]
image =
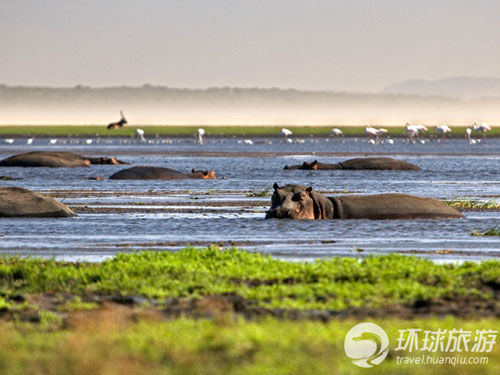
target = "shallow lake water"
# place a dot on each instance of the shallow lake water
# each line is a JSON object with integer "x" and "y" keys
{"x": 166, "y": 215}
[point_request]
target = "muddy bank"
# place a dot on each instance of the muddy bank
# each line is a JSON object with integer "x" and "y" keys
{"x": 234, "y": 306}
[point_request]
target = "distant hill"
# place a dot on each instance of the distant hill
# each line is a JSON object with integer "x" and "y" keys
{"x": 460, "y": 87}
{"x": 232, "y": 105}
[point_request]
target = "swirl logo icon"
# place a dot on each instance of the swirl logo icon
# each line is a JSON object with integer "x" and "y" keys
{"x": 366, "y": 344}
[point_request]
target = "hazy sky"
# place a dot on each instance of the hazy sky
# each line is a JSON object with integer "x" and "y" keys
{"x": 359, "y": 45}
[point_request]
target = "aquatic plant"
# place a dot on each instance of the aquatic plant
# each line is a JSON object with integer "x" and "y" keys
{"x": 493, "y": 231}
{"x": 260, "y": 193}
{"x": 470, "y": 204}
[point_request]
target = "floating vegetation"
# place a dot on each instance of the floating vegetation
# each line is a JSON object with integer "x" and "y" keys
{"x": 470, "y": 204}
{"x": 260, "y": 193}
{"x": 493, "y": 231}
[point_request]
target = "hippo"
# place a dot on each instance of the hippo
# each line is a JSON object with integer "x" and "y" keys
{"x": 359, "y": 164}
{"x": 160, "y": 173}
{"x": 300, "y": 202}
{"x": 55, "y": 159}
{"x": 21, "y": 202}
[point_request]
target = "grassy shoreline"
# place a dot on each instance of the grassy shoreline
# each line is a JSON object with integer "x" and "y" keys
{"x": 211, "y": 130}
{"x": 211, "y": 311}
{"x": 268, "y": 284}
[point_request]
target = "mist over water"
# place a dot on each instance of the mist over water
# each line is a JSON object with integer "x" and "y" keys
{"x": 162, "y": 105}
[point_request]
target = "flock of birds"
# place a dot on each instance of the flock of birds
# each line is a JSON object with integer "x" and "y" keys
{"x": 413, "y": 132}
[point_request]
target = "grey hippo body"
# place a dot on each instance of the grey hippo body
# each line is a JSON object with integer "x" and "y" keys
{"x": 358, "y": 164}
{"x": 159, "y": 173}
{"x": 21, "y": 202}
{"x": 55, "y": 159}
{"x": 300, "y": 202}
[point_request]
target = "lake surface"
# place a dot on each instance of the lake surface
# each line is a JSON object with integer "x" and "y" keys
{"x": 166, "y": 215}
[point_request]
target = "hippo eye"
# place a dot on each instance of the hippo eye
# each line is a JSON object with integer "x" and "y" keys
{"x": 298, "y": 197}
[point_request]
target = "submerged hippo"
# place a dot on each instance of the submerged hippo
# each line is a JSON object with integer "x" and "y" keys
{"x": 359, "y": 164}
{"x": 54, "y": 159}
{"x": 160, "y": 173}
{"x": 21, "y": 202}
{"x": 300, "y": 202}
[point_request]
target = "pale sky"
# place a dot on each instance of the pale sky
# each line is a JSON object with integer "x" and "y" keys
{"x": 347, "y": 45}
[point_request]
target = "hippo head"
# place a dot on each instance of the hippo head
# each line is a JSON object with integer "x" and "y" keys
{"x": 313, "y": 165}
{"x": 205, "y": 175}
{"x": 299, "y": 202}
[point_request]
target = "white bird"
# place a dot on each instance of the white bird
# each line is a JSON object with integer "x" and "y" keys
{"x": 9, "y": 141}
{"x": 414, "y": 131}
{"x": 483, "y": 128}
{"x": 372, "y": 133}
{"x": 53, "y": 141}
{"x": 140, "y": 133}
{"x": 201, "y": 133}
{"x": 286, "y": 132}
{"x": 89, "y": 141}
{"x": 248, "y": 141}
{"x": 421, "y": 128}
{"x": 468, "y": 132}
{"x": 382, "y": 131}
{"x": 337, "y": 132}
{"x": 29, "y": 141}
{"x": 442, "y": 130}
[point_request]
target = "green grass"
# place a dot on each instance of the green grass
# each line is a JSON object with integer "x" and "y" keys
{"x": 469, "y": 204}
{"x": 78, "y": 337}
{"x": 211, "y": 130}
{"x": 109, "y": 344}
{"x": 336, "y": 283}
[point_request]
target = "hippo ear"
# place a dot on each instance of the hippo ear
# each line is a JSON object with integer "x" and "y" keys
{"x": 276, "y": 186}
{"x": 193, "y": 170}
{"x": 314, "y": 163}
{"x": 309, "y": 189}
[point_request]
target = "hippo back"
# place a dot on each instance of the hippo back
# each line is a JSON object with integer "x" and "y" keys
{"x": 378, "y": 164}
{"x": 21, "y": 202}
{"x": 148, "y": 173}
{"x": 45, "y": 159}
{"x": 391, "y": 206}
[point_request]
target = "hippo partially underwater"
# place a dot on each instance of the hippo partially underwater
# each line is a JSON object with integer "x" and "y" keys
{"x": 359, "y": 164}
{"x": 55, "y": 159}
{"x": 300, "y": 202}
{"x": 160, "y": 173}
{"x": 21, "y": 202}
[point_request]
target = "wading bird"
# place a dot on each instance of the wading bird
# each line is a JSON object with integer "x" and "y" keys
{"x": 140, "y": 133}
{"x": 442, "y": 130}
{"x": 336, "y": 132}
{"x": 414, "y": 131}
{"x": 286, "y": 132}
{"x": 468, "y": 132}
{"x": 372, "y": 134}
{"x": 482, "y": 128}
{"x": 201, "y": 134}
